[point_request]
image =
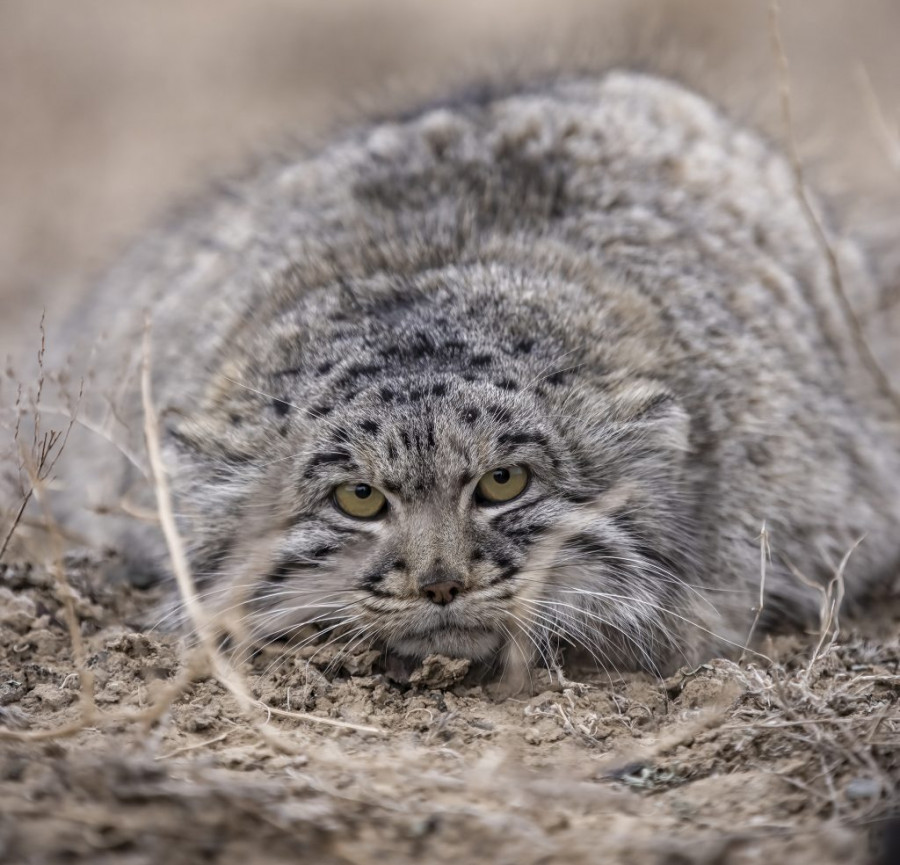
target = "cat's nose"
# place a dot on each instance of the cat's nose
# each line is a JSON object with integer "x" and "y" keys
{"x": 442, "y": 593}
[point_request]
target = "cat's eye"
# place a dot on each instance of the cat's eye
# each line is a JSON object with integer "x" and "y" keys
{"x": 360, "y": 501}
{"x": 501, "y": 485}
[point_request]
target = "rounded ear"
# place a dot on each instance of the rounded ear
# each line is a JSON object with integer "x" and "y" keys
{"x": 650, "y": 412}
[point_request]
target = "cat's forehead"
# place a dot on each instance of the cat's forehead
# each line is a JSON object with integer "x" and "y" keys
{"x": 418, "y": 430}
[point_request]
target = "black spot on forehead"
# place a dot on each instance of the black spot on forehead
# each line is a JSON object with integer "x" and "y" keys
{"x": 369, "y": 426}
{"x": 281, "y": 406}
{"x": 470, "y": 414}
{"x": 423, "y": 342}
{"x": 521, "y": 438}
{"x": 500, "y": 413}
{"x": 386, "y": 394}
{"x": 324, "y": 457}
{"x": 340, "y": 435}
{"x": 356, "y": 371}
{"x": 483, "y": 359}
{"x": 334, "y": 457}
{"x": 320, "y": 410}
{"x": 292, "y": 370}
{"x": 390, "y": 351}
{"x": 507, "y": 384}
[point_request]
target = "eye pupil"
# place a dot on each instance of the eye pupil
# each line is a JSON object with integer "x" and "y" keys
{"x": 362, "y": 501}
{"x": 501, "y": 485}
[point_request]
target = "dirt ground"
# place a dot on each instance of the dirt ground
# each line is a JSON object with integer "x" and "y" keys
{"x": 120, "y": 744}
{"x": 779, "y": 759}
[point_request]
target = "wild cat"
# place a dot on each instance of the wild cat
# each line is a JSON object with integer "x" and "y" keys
{"x": 528, "y": 366}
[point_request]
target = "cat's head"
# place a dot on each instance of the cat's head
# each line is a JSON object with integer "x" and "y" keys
{"x": 446, "y": 476}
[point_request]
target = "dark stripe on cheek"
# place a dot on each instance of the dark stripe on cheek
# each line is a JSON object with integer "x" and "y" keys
{"x": 526, "y": 533}
{"x": 504, "y": 521}
{"x": 591, "y": 546}
{"x": 373, "y": 578}
{"x": 285, "y": 570}
{"x": 507, "y": 569}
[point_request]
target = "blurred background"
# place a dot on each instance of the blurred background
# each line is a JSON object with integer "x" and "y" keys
{"x": 110, "y": 112}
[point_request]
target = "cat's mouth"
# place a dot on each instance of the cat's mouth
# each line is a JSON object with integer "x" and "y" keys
{"x": 470, "y": 627}
{"x": 477, "y": 642}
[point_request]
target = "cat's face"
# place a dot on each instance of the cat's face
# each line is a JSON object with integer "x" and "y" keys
{"x": 462, "y": 502}
{"x": 473, "y": 517}
{"x": 416, "y": 514}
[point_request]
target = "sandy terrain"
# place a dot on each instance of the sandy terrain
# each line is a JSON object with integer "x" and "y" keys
{"x": 119, "y": 743}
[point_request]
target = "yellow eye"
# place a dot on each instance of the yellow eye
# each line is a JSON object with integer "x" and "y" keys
{"x": 502, "y": 485}
{"x": 359, "y": 500}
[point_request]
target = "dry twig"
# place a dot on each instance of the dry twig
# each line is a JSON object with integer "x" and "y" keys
{"x": 765, "y": 556}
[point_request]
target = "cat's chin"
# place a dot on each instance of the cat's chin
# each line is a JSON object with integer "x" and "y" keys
{"x": 474, "y": 644}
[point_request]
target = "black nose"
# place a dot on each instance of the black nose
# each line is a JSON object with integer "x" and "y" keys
{"x": 442, "y": 593}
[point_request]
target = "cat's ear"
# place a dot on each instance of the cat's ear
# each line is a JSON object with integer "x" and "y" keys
{"x": 646, "y": 410}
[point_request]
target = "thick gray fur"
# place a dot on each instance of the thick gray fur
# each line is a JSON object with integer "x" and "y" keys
{"x": 604, "y": 279}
